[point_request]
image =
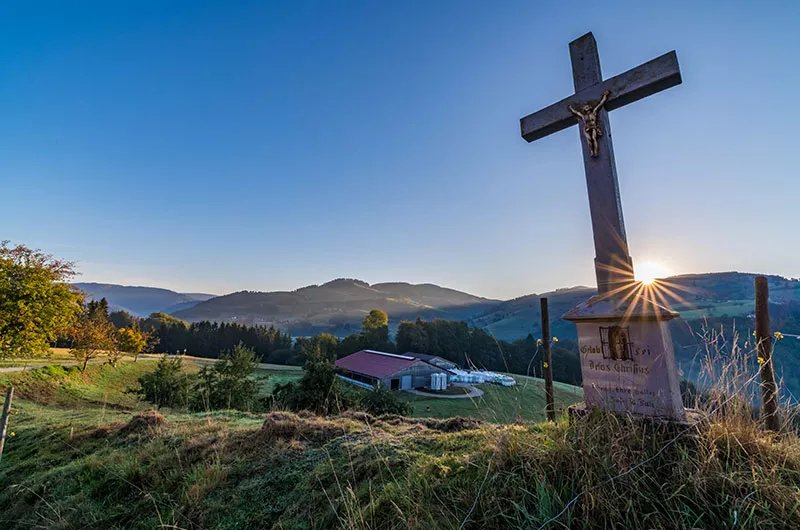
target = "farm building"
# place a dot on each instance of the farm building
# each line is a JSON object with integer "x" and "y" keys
{"x": 368, "y": 368}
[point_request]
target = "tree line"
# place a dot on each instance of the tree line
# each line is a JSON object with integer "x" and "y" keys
{"x": 204, "y": 339}
{"x": 474, "y": 347}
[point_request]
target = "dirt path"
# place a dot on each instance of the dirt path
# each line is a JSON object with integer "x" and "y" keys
{"x": 473, "y": 392}
{"x": 206, "y": 360}
{"x": 196, "y": 360}
{"x": 56, "y": 363}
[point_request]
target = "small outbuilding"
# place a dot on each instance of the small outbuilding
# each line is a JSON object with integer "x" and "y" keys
{"x": 435, "y": 360}
{"x": 369, "y": 368}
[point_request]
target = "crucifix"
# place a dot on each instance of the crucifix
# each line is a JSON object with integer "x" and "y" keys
{"x": 588, "y": 107}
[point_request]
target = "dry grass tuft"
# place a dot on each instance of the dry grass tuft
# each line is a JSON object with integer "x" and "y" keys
{"x": 281, "y": 425}
{"x": 359, "y": 416}
{"x": 149, "y": 422}
{"x": 457, "y": 424}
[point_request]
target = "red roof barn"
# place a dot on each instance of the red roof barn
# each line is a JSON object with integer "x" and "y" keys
{"x": 368, "y": 368}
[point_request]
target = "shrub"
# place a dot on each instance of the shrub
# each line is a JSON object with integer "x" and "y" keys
{"x": 383, "y": 401}
{"x": 319, "y": 390}
{"x": 227, "y": 384}
{"x": 166, "y": 386}
{"x": 284, "y": 356}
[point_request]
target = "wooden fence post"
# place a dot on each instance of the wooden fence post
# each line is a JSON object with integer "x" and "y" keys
{"x": 547, "y": 364}
{"x": 769, "y": 388}
{"x": 4, "y": 418}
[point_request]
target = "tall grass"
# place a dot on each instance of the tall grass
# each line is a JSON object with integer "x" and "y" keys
{"x": 728, "y": 389}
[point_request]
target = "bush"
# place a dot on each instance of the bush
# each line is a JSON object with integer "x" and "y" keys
{"x": 319, "y": 390}
{"x": 285, "y": 356}
{"x": 166, "y": 386}
{"x": 227, "y": 384}
{"x": 384, "y": 401}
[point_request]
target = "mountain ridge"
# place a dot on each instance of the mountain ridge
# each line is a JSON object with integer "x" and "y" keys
{"x": 140, "y": 300}
{"x": 339, "y": 305}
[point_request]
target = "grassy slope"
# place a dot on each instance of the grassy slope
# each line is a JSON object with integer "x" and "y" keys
{"x": 68, "y": 387}
{"x": 87, "y": 465}
{"x": 271, "y": 378}
{"x": 68, "y": 469}
{"x": 207, "y": 360}
{"x": 498, "y": 404}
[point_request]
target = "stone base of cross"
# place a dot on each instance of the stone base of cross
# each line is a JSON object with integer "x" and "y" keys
{"x": 627, "y": 359}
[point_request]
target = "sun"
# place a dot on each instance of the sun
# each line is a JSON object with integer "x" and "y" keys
{"x": 647, "y": 272}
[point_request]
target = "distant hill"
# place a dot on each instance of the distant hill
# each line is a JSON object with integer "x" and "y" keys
{"x": 141, "y": 301}
{"x": 338, "y": 306}
{"x": 517, "y": 318}
{"x": 695, "y": 296}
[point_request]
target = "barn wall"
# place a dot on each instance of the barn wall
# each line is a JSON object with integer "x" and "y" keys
{"x": 360, "y": 379}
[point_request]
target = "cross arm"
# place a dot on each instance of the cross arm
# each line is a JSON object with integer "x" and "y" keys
{"x": 651, "y": 77}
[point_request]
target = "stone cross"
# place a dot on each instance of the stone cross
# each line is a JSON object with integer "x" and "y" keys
{"x": 627, "y": 359}
{"x": 589, "y": 106}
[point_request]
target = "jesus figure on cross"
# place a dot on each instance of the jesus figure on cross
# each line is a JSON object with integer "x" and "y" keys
{"x": 588, "y": 115}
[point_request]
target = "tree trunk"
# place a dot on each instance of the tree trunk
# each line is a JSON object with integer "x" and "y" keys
{"x": 85, "y": 362}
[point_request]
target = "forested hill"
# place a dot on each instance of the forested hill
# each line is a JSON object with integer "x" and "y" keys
{"x": 338, "y": 306}
{"x": 517, "y": 318}
{"x": 141, "y": 301}
{"x": 695, "y": 296}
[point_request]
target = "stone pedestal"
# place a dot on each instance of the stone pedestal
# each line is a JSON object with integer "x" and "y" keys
{"x": 627, "y": 359}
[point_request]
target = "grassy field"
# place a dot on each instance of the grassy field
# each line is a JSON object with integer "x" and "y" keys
{"x": 271, "y": 378}
{"x": 498, "y": 404}
{"x": 105, "y": 386}
{"x": 206, "y": 360}
{"x": 731, "y": 308}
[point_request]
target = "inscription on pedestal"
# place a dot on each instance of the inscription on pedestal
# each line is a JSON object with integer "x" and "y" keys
{"x": 628, "y": 364}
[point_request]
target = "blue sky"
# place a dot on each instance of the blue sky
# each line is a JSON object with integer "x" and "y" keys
{"x": 240, "y": 145}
